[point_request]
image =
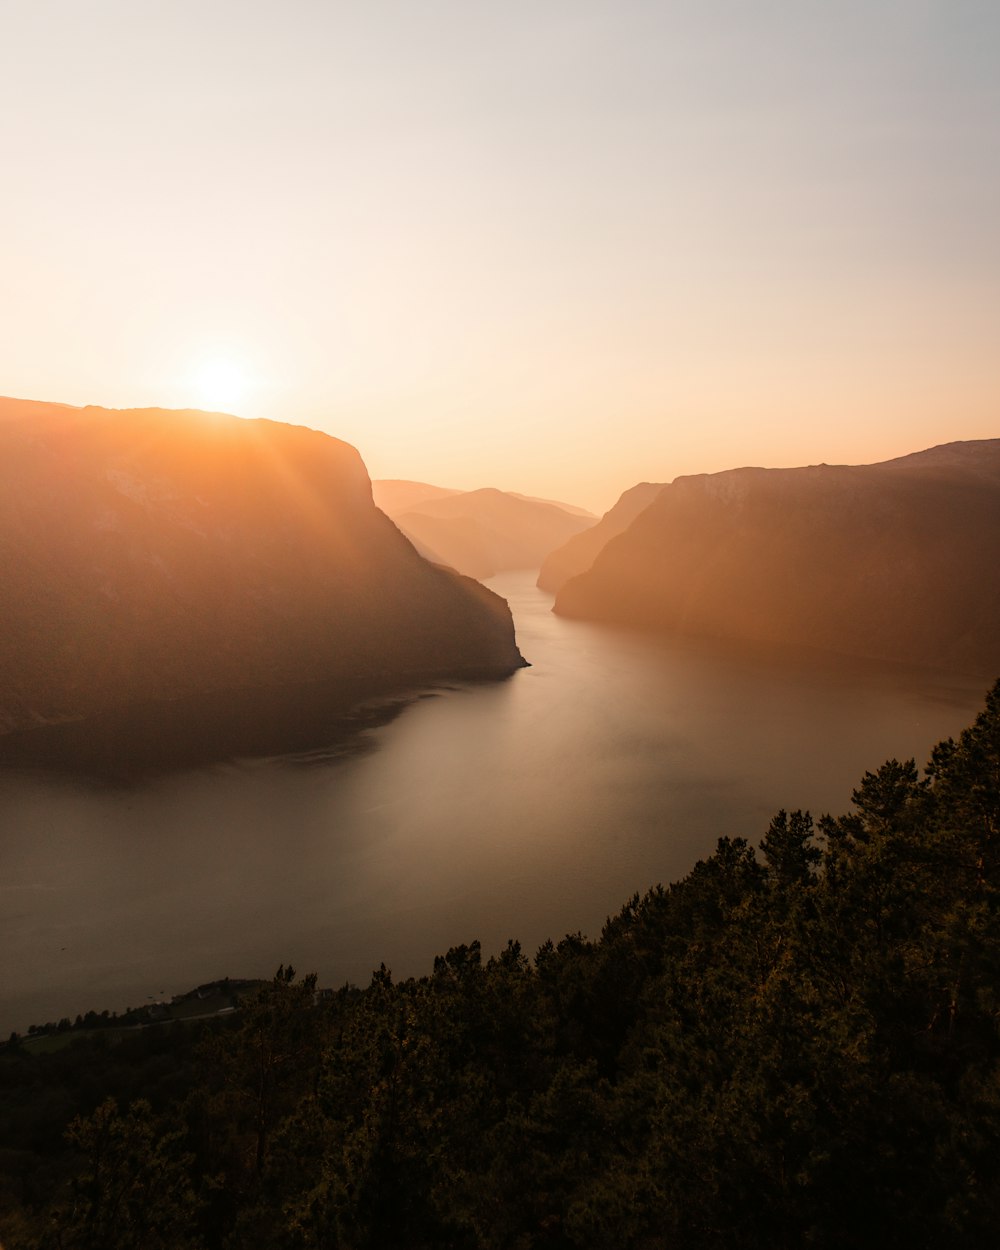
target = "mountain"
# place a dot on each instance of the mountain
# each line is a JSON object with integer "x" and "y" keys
{"x": 556, "y": 503}
{"x": 579, "y": 553}
{"x": 394, "y": 495}
{"x": 149, "y": 556}
{"x": 891, "y": 561}
{"x": 482, "y": 532}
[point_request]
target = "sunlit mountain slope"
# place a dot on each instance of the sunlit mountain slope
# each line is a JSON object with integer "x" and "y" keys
{"x": 896, "y": 560}
{"x": 151, "y": 555}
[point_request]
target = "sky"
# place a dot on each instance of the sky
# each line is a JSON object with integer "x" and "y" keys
{"x": 554, "y": 246}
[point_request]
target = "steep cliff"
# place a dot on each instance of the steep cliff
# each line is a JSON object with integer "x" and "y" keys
{"x": 148, "y": 555}
{"x": 896, "y": 560}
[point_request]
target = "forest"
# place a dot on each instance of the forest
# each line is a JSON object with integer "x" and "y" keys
{"x": 795, "y": 1045}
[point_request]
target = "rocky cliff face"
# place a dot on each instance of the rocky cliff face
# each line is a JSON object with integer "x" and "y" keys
{"x": 578, "y": 554}
{"x": 149, "y": 555}
{"x": 896, "y": 560}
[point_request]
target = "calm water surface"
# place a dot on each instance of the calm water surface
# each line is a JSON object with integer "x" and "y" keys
{"x": 526, "y": 809}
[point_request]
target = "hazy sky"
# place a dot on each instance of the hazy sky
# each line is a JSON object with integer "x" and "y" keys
{"x": 557, "y": 247}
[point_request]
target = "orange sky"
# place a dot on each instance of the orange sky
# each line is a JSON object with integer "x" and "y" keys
{"x": 554, "y": 247}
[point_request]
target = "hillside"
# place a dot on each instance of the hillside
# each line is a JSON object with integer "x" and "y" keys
{"x": 394, "y": 495}
{"x": 150, "y": 556}
{"x": 795, "y": 1045}
{"x": 483, "y": 532}
{"x": 579, "y": 552}
{"x": 557, "y": 503}
{"x": 891, "y": 561}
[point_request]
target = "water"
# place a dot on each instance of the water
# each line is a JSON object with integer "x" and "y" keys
{"x": 526, "y": 809}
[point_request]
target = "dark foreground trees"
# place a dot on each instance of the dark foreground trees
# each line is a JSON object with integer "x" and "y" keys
{"x": 792, "y": 1047}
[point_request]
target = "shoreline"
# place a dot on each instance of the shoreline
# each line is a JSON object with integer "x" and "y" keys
{"x": 140, "y": 740}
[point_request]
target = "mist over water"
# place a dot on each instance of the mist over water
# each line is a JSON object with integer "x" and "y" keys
{"x": 526, "y": 809}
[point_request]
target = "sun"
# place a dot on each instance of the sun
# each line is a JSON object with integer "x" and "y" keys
{"x": 220, "y": 383}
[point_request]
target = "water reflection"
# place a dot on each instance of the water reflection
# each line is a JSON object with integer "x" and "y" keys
{"x": 527, "y": 809}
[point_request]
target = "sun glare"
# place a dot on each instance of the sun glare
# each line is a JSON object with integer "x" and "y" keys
{"x": 220, "y": 384}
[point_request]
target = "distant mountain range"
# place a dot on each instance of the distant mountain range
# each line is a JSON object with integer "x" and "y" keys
{"x": 479, "y": 532}
{"x": 896, "y": 561}
{"x": 395, "y": 496}
{"x": 149, "y": 556}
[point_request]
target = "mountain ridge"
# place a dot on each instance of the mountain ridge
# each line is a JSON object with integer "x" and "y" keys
{"x": 578, "y": 553}
{"x": 486, "y": 531}
{"x": 149, "y": 555}
{"x": 894, "y": 560}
